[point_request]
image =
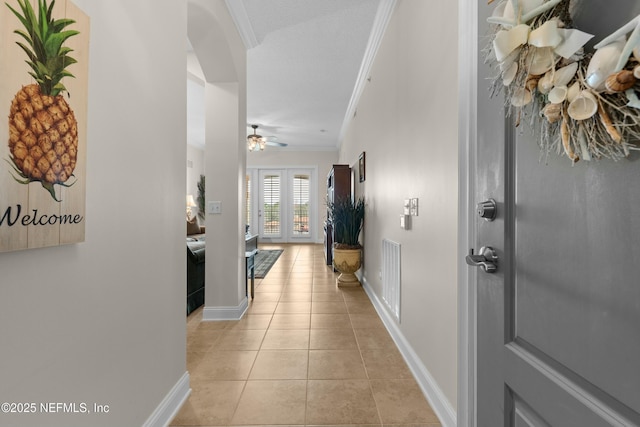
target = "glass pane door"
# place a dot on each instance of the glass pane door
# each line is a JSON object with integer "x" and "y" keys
{"x": 281, "y": 204}
{"x": 300, "y": 209}
{"x": 270, "y": 209}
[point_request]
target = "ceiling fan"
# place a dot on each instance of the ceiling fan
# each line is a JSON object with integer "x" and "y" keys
{"x": 257, "y": 142}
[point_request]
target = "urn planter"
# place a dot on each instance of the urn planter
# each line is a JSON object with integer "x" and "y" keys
{"x": 347, "y": 262}
{"x": 347, "y": 217}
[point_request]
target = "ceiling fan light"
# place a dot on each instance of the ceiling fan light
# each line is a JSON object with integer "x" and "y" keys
{"x": 256, "y": 142}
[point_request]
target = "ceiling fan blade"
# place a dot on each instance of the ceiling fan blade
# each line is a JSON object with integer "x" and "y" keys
{"x": 273, "y": 141}
{"x": 276, "y": 143}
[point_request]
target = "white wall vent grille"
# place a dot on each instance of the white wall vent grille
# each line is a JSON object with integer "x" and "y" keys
{"x": 391, "y": 276}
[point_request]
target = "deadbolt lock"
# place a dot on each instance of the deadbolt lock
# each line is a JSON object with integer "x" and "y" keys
{"x": 488, "y": 210}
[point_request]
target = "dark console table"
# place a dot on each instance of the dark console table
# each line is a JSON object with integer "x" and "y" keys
{"x": 250, "y": 251}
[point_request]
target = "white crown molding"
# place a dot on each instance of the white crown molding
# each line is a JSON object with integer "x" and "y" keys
{"x": 429, "y": 386}
{"x": 380, "y": 22}
{"x": 171, "y": 404}
{"x": 241, "y": 19}
{"x": 196, "y": 78}
{"x": 310, "y": 148}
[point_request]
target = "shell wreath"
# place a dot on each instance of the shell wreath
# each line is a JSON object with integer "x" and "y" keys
{"x": 584, "y": 105}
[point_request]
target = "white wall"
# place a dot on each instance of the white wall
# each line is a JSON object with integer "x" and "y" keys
{"x": 104, "y": 321}
{"x": 225, "y": 270}
{"x": 323, "y": 160}
{"x": 407, "y": 124}
{"x": 222, "y": 56}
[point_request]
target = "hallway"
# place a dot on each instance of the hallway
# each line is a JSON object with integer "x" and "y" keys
{"x": 306, "y": 353}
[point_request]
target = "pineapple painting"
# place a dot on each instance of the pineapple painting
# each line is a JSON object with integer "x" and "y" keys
{"x": 44, "y": 80}
{"x": 43, "y": 132}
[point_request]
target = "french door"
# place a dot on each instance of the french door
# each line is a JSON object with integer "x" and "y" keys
{"x": 270, "y": 206}
{"x": 299, "y": 203}
{"x": 281, "y": 204}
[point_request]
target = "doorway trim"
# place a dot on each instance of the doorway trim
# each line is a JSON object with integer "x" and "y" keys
{"x": 467, "y": 143}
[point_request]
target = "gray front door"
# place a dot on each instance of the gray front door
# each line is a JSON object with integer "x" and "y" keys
{"x": 558, "y": 324}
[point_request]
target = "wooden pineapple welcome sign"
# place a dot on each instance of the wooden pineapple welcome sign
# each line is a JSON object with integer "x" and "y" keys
{"x": 44, "y": 49}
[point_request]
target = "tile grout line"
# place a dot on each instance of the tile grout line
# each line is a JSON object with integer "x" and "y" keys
{"x": 364, "y": 365}
{"x": 286, "y": 281}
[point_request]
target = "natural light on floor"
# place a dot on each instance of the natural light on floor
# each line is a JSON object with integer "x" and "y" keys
{"x": 306, "y": 353}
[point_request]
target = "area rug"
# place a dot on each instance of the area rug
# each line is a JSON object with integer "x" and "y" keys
{"x": 265, "y": 258}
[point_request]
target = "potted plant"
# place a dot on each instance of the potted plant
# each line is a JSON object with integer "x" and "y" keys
{"x": 347, "y": 218}
{"x": 201, "y": 197}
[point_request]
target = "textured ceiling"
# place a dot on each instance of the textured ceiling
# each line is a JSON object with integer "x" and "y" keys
{"x": 303, "y": 62}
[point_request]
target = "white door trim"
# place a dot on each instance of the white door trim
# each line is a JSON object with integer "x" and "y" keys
{"x": 467, "y": 143}
{"x": 254, "y": 182}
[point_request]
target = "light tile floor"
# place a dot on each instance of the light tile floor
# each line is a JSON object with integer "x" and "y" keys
{"x": 306, "y": 353}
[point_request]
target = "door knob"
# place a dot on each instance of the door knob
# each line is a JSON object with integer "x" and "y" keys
{"x": 486, "y": 259}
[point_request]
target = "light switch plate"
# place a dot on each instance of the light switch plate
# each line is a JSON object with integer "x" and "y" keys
{"x": 214, "y": 207}
{"x": 414, "y": 207}
{"x": 407, "y": 207}
{"x": 405, "y": 222}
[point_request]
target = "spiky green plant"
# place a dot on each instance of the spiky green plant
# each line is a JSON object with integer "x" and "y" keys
{"x": 44, "y": 37}
{"x": 347, "y": 219}
{"x": 200, "y": 200}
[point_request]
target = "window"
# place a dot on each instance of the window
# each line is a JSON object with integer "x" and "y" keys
{"x": 271, "y": 204}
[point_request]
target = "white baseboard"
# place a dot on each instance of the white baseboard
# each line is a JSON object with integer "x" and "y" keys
{"x": 438, "y": 401}
{"x": 171, "y": 404}
{"x": 225, "y": 313}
